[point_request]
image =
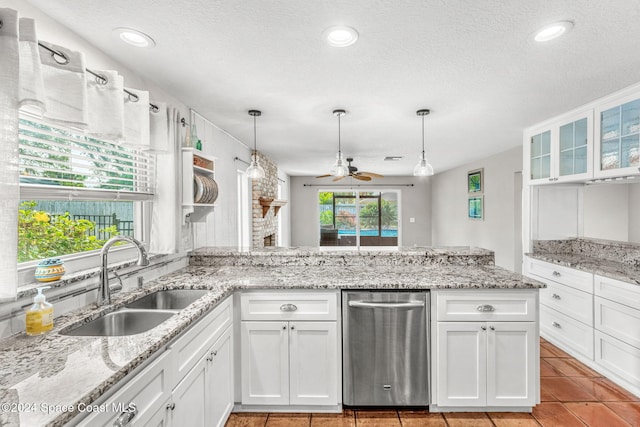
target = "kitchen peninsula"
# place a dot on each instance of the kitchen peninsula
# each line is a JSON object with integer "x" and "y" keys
{"x": 61, "y": 376}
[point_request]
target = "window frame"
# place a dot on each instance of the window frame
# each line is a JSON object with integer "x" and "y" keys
{"x": 89, "y": 260}
{"x": 357, "y": 198}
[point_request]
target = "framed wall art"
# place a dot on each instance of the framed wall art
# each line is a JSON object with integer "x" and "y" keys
{"x": 475, "y": 184}
{"x": 475, "y": 207}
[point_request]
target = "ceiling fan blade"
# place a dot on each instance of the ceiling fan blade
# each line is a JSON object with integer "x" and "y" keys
{"x": 362, "y": 177}
{"x": 371, "y": 174}
{"x": 324, "y": 176}
{"x": 338, "y": 178}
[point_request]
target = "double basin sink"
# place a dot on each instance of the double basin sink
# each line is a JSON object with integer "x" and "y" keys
{"x": 138, "y": 316}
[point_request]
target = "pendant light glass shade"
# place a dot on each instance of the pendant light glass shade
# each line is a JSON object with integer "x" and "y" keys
{"x": 339, "y": 168}
{"x": 423, "y": 168}
{"x": 255, "y": 171}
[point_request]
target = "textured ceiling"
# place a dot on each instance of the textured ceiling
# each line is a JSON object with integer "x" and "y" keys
{"x": 471, "y": 62}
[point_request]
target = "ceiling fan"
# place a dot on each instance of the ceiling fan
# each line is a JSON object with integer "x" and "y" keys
{"x": 353, "y": 172}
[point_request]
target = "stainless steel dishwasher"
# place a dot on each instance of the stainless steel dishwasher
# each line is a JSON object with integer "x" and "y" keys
{"x": 385, "y": 348}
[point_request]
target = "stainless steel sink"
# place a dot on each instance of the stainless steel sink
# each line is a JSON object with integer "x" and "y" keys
{"x": 170, "y": 299}
{"x": 120, "y": 323}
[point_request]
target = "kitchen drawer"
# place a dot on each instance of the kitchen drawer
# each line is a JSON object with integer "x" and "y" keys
{"x": 618, "y": 320}
{"x": 195, "y": 342}
{"x": 289, "y": 305}
{"x": 565, "y": 330}
{"x": 148, "y": 390}
{"x": 619, "y": 358}
{"x": 564, "y": 275}
{"x": 618, "y": 291}
{"x": 570, "y": 301}
{"x": 486, "y": 305}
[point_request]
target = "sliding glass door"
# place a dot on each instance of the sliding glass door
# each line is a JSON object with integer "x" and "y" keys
{"x": 359, "y": 218}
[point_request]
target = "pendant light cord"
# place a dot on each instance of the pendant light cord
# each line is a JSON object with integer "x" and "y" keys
{"x": 423, "y": 137}
{"x": 339, "y": 142}
{"x": 255, "y": 143}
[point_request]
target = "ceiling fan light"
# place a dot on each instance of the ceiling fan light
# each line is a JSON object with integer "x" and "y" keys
{"x": 255, "y": 171}
{"x": 423, "y": 168}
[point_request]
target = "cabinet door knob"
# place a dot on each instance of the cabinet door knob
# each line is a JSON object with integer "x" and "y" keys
{"x": 556, "y": 296}
{"x": 556, "y": 273}
{"x": 292, "y": 327}
{"x": 486, "y": 308}
{"x": 492, "y": 328}
{"x": 556, "y": 325}
{"x": 484, "y": 328}
{"x": 288, "y": 307}
{"x": 214, "y": 353}
{"x": 284, "y": 328}
{"x": 171, "y": 406}
{"x": 125, "y": 418}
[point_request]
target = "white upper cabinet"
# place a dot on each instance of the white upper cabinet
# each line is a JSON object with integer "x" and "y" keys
{"x": 560, "y": 151}
{"x": 618, "y": 137}
{"x": 600, "y": 140}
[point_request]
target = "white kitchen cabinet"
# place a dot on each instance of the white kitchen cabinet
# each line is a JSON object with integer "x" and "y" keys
{"x": 485, "y": 364}
{"x": 195, "y": 165}
{"x": 265, "y": 363}
{"x": 485, "y": 349}
{"x": 289, "y": 363}
{"x": 204, "y": 397}
{"x": 618, "y": 137}
{"x": 561, "y": 150}
{"x": 313, "y": 364}
{"x": 290, "y": 349}
{"x": 141, "y": 399}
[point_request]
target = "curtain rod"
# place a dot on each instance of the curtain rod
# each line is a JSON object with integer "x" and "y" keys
{"x": 132, "y": 96}
{"x": 358, "y": 185}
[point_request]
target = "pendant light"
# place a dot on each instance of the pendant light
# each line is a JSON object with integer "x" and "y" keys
{"x": 255, "y": 171}
{"x": 423, "y": 168}
{"x": 339, "y": 168}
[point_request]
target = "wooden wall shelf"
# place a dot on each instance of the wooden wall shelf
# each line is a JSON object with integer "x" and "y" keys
{"x": 268, "y": 202}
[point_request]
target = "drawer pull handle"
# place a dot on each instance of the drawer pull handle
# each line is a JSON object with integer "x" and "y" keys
{"x": 556, "y": 296}
{"x": 171, "y": 406}
{"x": 556, "y": 273}
{"x": 288, "y": 307}
{"x": 125, "y": 418}
{"x": 486, "y": 308}
{"x": 556, "y": 325}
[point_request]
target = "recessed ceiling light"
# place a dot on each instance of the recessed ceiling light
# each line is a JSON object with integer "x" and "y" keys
{"x": 340, "y": 36}
{"x": 134, "y": 37}
{"x": 553, "y": 31}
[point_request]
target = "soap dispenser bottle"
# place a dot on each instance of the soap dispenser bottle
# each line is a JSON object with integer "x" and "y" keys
{"x": 39, "y": 318}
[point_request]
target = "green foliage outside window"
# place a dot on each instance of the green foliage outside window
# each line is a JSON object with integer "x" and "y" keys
{"x": 42, "y": 236}
{"x": 369, "y": 214}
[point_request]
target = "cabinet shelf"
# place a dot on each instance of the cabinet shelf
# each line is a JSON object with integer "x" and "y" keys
{"x": 268, "y": 202}
{"x": 195, "y": 162}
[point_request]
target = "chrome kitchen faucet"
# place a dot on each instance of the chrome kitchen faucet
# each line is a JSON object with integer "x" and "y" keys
{"x": 104, "y": 292}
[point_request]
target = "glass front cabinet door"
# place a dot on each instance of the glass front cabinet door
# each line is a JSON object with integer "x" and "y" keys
{"x": 618, "y": 138}
{"x": 563, "y": 151}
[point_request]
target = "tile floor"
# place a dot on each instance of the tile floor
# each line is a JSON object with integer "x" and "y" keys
{"x": 571, "y": 393}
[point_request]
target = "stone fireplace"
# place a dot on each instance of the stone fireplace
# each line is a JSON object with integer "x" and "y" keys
{"x": 265, "y": 222}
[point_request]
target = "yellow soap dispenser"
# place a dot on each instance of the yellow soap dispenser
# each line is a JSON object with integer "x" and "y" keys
{"x": 39, "y": 315}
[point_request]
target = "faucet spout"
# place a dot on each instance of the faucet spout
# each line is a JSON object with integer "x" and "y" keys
{"x": 104, "y": 293}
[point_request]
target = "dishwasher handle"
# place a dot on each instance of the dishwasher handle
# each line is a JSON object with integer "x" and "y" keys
{"x": 407, "y": 304}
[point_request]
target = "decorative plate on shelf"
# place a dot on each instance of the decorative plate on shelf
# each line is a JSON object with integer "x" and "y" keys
{"x": 198, "y": 188}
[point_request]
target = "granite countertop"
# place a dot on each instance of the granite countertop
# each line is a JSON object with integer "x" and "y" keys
{"x": 616, "y": 270}
{"x": 45, "y": 373}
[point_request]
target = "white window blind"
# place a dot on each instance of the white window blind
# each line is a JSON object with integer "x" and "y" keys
{"x": 61, "y": 163}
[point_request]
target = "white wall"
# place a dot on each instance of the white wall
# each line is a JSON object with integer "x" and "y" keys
{"x": 415, "y": 203}
{"x": 606, "y": 211}
{"x": 451, "y": 225}
{"x": 634, "y": 213}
